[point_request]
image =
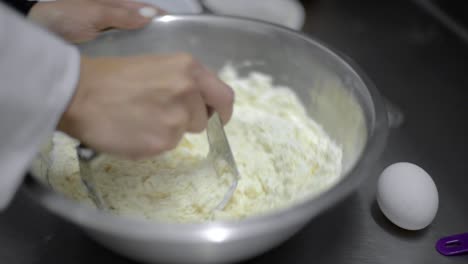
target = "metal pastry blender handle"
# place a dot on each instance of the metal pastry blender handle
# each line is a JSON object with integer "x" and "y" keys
{"x": 85, "y": 158}
{"x": 220, "y": 150}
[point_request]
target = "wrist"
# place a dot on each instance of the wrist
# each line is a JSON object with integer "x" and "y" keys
{"x": 69, "y": 122}
{"x": 38, "y": 13}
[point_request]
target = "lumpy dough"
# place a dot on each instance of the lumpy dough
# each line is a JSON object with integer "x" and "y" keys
{"x": 283, "y": 156}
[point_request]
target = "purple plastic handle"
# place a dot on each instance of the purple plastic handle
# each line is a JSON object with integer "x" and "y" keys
{"x": 453, "y": 245}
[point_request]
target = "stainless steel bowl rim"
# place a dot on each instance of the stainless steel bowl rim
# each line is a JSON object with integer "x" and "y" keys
{"x": 140, "y": 228}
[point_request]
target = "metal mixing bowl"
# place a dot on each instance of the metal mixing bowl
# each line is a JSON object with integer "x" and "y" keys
{"x": 336, "y": 95}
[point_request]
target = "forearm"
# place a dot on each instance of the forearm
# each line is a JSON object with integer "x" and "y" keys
{"x": 38, "y": 73}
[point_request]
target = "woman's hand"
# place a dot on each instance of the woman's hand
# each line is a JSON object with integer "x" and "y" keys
{"x": 79, "y": 21}
{"x": 141, "y": 106}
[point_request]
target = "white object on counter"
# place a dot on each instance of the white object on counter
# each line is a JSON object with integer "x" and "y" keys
{"x": 407, "y": 196}
{"x": 288, "y": 13}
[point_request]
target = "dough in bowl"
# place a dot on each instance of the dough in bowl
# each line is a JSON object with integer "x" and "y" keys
{"x": 283, "y": 156}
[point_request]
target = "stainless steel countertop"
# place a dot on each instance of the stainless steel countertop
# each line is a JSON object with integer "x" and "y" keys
{"x": 419, "y": 66}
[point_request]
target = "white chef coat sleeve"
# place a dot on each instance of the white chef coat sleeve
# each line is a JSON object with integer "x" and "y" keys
{"x": 38, "y": 75}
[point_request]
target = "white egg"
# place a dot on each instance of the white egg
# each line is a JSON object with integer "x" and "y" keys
{"x": 407, "y": 196}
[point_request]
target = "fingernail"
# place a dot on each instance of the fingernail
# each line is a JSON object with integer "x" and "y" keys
{"x": 148, "y": 12}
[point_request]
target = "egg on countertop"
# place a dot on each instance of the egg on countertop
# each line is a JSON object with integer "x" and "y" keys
{"x": 407, "y": 196}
